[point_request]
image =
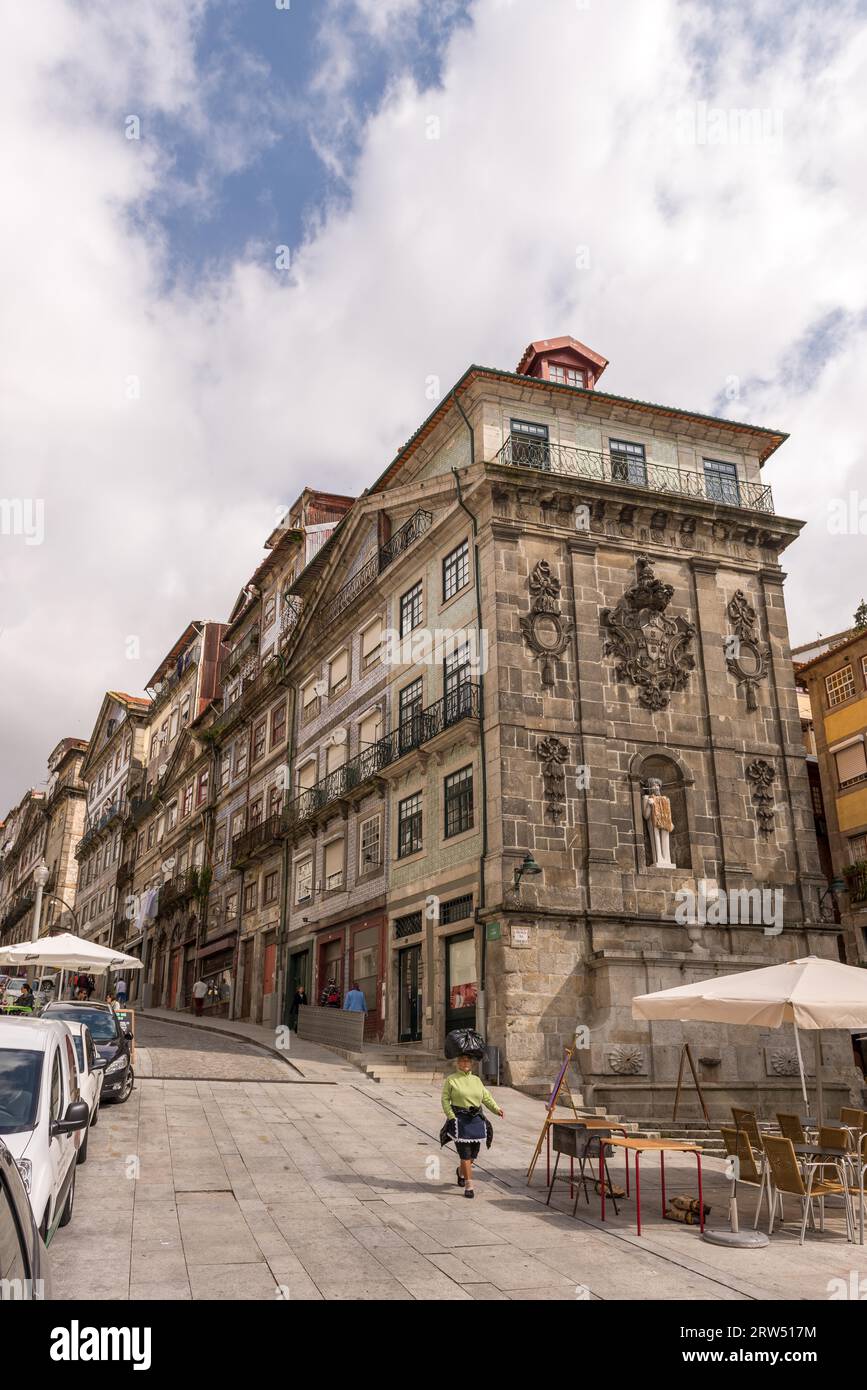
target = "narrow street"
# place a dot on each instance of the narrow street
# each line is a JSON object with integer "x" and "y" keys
{"x": 232, "y": 1174}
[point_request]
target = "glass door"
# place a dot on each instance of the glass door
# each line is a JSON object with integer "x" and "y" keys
{"x": 461, "y": 981}
{"x": 410, "y": 990}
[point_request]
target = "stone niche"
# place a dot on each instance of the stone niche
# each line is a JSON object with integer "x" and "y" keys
{"x": 674, "y": 786}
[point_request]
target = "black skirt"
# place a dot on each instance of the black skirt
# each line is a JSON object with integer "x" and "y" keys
{"x": 467, "y": 1131}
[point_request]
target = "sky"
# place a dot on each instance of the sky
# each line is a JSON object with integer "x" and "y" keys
{"x": 239, "y": 236}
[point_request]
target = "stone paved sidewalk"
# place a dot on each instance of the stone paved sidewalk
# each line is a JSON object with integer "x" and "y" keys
{"x": 221, "y": 1189}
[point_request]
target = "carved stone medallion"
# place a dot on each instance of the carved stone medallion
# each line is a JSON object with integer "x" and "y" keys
{"x": 627, "y": 1061}
{"x": 552, "y": 754}
{"x": 747, "y": 655}
{"x": 762, "y": 775}
{"x": 545, "y": 630}
{"x": 652, "y": 649}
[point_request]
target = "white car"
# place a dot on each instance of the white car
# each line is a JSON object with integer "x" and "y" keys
{"x": 42, "y": 1115}
{"x": 91, "y": 1071}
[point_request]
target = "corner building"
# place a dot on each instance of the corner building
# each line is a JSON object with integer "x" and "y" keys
{"x": 609, "y": 570}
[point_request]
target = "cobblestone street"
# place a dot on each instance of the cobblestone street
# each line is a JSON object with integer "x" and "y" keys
{"x": 316, "y": 1183}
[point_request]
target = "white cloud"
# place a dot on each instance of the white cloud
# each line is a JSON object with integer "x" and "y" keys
{"x": 559, "y": 128}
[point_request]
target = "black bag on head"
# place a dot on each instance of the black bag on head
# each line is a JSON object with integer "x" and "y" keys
{"x": 464, "y": 1042}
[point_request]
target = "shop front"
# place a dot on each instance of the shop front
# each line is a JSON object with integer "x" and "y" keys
{"x": 461, "y": 977}
{"x": 214, "y": 965}
{"x": 350, "y": 954}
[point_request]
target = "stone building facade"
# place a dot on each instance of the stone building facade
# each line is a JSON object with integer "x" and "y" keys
{"x": 45, "y": 826}
{"x": 112, "y": 773}
{"x": 836, "y": 684}
{"x": 630, "y": 595}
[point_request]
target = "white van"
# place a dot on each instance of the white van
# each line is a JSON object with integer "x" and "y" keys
{"x": 42, "y": 1116}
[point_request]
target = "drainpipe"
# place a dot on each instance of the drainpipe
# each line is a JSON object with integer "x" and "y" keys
{"x": 283, "y": 935}
{"x": 483, "y": 777}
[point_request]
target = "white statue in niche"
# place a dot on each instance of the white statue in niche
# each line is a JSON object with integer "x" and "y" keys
{"x": 656, "y": 810}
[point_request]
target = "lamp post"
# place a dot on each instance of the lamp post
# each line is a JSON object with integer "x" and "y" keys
{"x": 41, "y": 875}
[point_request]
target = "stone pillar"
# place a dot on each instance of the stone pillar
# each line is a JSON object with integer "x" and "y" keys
{"x": 603, "y": 876}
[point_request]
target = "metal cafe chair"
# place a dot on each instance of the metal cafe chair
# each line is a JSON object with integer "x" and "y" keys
{"x": 789, "y": 1179}
{"x": 792, "y": 1128}
{"x": 737, "y": 1144}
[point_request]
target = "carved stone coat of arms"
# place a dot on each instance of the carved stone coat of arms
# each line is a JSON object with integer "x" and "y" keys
{"x": 652, "y": 648}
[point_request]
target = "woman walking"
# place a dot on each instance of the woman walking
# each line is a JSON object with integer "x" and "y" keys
{"x": 464, "y": 1094}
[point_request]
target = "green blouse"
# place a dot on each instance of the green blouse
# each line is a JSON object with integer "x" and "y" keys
{"x": 465, "y": 1089}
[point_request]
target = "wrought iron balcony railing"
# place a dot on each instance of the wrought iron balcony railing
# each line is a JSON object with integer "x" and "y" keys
{"x": 856, "y": 882}
{"x": 259, "y": 837}
{"x": 464, "y": 702}
{"x": 566, "y": 461}
{"x": 178, "y": 889}
{"x": 95, "y": 826}
{"x": 408, "y": 534}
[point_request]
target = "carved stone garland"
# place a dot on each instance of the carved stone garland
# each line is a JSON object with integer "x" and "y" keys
{"x": 652, "y": 649}
{"x": 762, "y": 775}
{"x": 749, "y": 663}
{"x": 545, "y": 631}
{"x": 552, "y": 754}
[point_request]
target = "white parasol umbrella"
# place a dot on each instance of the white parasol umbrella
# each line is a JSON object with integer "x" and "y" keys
{"x": 67, "y": 952}
{"x": 809, "y": 993}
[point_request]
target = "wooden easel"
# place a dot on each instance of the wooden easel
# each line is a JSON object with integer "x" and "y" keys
{"x": 561, "y": 1084}
{"x": 687, "y": 1055}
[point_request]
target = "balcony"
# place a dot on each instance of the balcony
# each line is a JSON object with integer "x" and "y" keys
{"x": 463, "y": 703}
{"x": 257, "y": 677}
{"x": 562, "y": 460}
{"x": 856, "y": 882}
{"x": 289, "y": 617}
{"x": 256, "y": 841}
{"x": 94, "y": 828}
{"x": 401, "y": 541}
{"x": 170, "y": 683}
{"x": 178, "y": 890}
{"x": 22, "y": 903}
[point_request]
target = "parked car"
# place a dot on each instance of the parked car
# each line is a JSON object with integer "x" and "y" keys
{"x": 14, "y": 989}
{"x": 42, "y": 1115}
{"x": 25, "y": 1271}
{"x": 91, "y": 1073}
{"x": 113, "y": 1043}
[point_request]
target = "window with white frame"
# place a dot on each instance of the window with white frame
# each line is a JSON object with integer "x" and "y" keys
{"x": 307, "y": 775}
{"x": 566, "y": 376}
{"x": 851, "y": 763}
{"x": 335, "y": 757}
{"x": 333, "y": 865}
{"x": 840, "y": 685}
{"x": 370, "y": 729}
{"x": 369, "y": 844}
{"x": 456, "y": 570}
{"x": 338, "y": 671}
{"x": 371, "y": 642}
{"x": 857, "y": 848}
{"x": 303, "y": 880}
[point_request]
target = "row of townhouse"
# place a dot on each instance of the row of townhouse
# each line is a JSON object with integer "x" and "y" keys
{"x": 418, "y": 755}
{"x": 44, "y": 829}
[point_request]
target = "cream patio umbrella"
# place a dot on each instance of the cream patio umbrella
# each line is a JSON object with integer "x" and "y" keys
{"x": 67, "y": 952}
{"x": 811, "y": 993}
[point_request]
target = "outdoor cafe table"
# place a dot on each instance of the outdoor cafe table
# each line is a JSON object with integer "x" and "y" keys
{"x": 634, "y": 1143}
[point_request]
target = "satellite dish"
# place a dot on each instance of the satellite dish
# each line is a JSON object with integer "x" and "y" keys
{"x": 338, "y": 736}
{"x": 163, "y": 769}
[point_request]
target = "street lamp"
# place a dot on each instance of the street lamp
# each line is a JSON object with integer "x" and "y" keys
{"x": 529, "y": 866}
{"x": 41, "y": 875}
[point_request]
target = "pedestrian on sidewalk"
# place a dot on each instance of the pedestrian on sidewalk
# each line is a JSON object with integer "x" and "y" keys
{"x": 463, "y": 1096}
{"x": 299, "y": 998}
{"x": 200, "y": 989}
{"x": 355, "y": 1001}
{"x": 330, "y": 996}
{"x": 121, "y": 992}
